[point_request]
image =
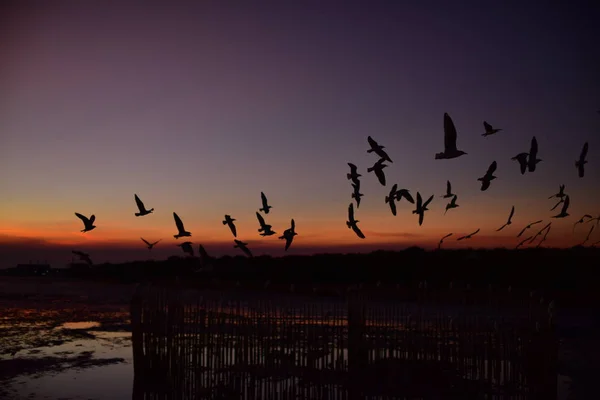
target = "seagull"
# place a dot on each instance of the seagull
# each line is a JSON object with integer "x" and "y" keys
{"x": 449, "y": 193}
{"x": 391, "y": 199}
{"x": 421, "y": 207}
{"x": 150, "y": 245}
{"x": 560, "y": 194}
{"x": 375, "y": 147}
{"x": 582, "y": 161}
{"x": 242, "y": 246}
{"x": 442, "y": 240}
{"x": 378, "y": 169}
{"x": 356, "y": 194}
{"x": 522, "y": 159}
{"x": 181, "y": 230}
{"x": 588, "y": 235}
{"x": 581, "y": 220}
{"x": 452, "y": 204}
{"x": 187, "y": 248}
{"x": 450, "y": 150}
{"x": 205, "y": 259}
{"x": 140, "y": 206}
{"x": 597, "y": 219}
{"x": 351, "y": 223}
{"x": 523, "y": 242}
{"x": 489, "y": 130}
{"x": 529, "y": 226}
{"x": 544, "y": 238}
{"x": 540, "y": 232}
{"x": 288, "y": 235}
{"x": 88, "y": 224}
{"x": 265, "y": 206}
{"x": 563, "y": 213}
{"x": 406, "y": 194}
{"x": 512, "y": 212}
{"x": 264, "y": 227}
{"x": 469, "y": 236}
{"x": 353, "y": 175}
{"x": 532, "y": 159}
{"x": 83, "y": 256}
{"x": 229, "y": 221}
{"x": 488, "y": 177}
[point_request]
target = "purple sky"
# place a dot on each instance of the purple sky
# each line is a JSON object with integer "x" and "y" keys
{"x": 198, "y": 108}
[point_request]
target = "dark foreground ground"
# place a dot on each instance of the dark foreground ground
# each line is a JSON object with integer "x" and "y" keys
{"x": 62, "y": 338}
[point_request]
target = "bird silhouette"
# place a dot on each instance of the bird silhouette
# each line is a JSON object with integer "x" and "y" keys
{"x": 587, "y": 238}
{"x": 141, "y": 208}
{"x": 469, "y": 236}
{"x": 522, "y": 159}
{"x": 264, "y": 227}
{"x": 442, "y": 240}
{"x": 375, "y": 147}
{"x": 150, "y": 245}
{"x": 242, "y": 246}
{"x": 450, "y": 135}
{"x": 353, "y": 175}
{"x": 206, "y": 261}
{"x": 597, "y": 219}
{"x": 404, "y": 193}
{"x": 229, "y": 222}
{"x": 449, "y": 193}
{"x": 532, "y": 159}
{"x": 83, "y": 256}
{"x": 88, "y": 224}
{"x": 181, "y": 232}
{"x": 452, "y": 204}
{"x": 488, "y": 177}
{"x": 529, "y": 226}
{"x": 265, "y": 206}
{"x": 378, "y": 169}
{"x": 421, "y": 207}
{"x": 509, "y": 221}
{"x": 540, "y": 232}
{"x": 581, "y": 220}
{"x": 557, "y": 204}
{"x": 544, "y": 237}
{"x": 356, "y": 194}
{"x": 391, "y": 198}
{"x": 187, "y": 248}
{"x": 560, "y": 194}
{"x": 563, "y": 213}
{"x": 289, "y": 234}
{"x": 351, "y": 223}
{"x": 522, "y": 242}
{"x": 489, "y": 130}
{"x": 579, "y": 164}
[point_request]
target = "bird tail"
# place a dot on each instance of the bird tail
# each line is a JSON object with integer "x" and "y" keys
{"x": 370, "y": 151}
{"x": 138, "y": 214}
{"x": 224, "y": 222}
{"x": 369, "y": 169}
{"x": 348, "y": 224}
{"x": 439, "y": 156}
{"x": 387, "y": 199}
{"x": 176, "y": 236}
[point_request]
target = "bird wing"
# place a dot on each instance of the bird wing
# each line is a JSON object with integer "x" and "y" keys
{"x": 83, "y": 218}
{"x": 233, "y": 228}
{"x": 263, "y": 198}
{"x": 584, "y": 151}
{"x": 140, "y": 204}
{"x": 421, "y": 215}
{"x": 145, "y": 241}
{"x": 485, "y": 184}
{"x": 492, "y": 168}
{"x": 428, "y": 201}
{"x": 453, "y": 201}
{"x": 449, "y": 134}
{"x": 288, "y": 242}
{"x": 156, "y": 242}
{"x": 372, "y": 142}
{"x": 202, "y": 252}
{"x": 358, "y": 232}
{"x": 502, "y": 227}
{"x": 448, "y": 187}
{"x": 534, "y": 148}
{"x": 92, "y": 219}
{"x": 566, "y": 204}
{"x": 448, "y": 235}
{"x": 408, "y": 197}
{"x": 261, "y": 220}
{"x": 586, "y": 216}
{"x": 393, "y": 191}
{"x": 419, "y": 201}
{"x": 380, "y": 176}
{"x": 392, "y": 204}
{"x": 245, "y": 249}
{"x": 590, "y": 232}
{"x": 512, "y": 212}
{"x": 476, "y": 232}
{"x": 178, "y": 223}
{"x": 351, "y": 212}
{"x": 293, "y": 228}
{"x": 522, "y": 231}
{"x": 487, "y": 126}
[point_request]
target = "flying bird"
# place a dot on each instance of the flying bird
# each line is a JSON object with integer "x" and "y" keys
{"x": 187, "y": 248}
{"x": 356, "y": 194}
{"x": 442, "y": 240}
{"x": 265, "y": 206}
{"x": 404, "y": 193}
{"x": 597, "y": 219}
{"x": 449, "y": 193}
{"x": 288, "y": 235}
{"x": 560, "y": 194}
{"x": 205, "y": 259}
{"x": 488, "y": 177}
{"x": 229, "y": 222}
{"x": 544, "y": 238}
{"x": 391, "y": 199}
{"x": 588, "y": 235}
{"x": 378, "y": 169}
{"x": 529, "y": 226}
{"x": 141, "y": 207}
{"x": 264, "y": 227}
{"x": 421, "y": 207}
{"x": 181, "y": 232}
{"x": 581, "y": 220}
{"x": 450, "y": 150}
{"x": 522, "y": 242}
{"x": 540, "y": 232}
{"x": 353, "y": 175}
{"x": 351, "y": 223}
{"x": 88, "y": 224}
{"x": 452, "y": 204}
{"x": 563, "y": 213}
{"x": 469, "y": 236}
{"x": 375, "y": 147}
{"x": 83, "y": 256}
{"x": 512, "y": 212}
{"x": 242, "y": 246}
{"x": 489, "y": 130}
{"x": 522, "y": 159}
{"x": 150, "y": 245}
{"x": 532, "y": 159}
{"x": 579, "y": 164}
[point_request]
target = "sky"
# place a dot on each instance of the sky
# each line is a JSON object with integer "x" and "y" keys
{"x": 198, "y": 108}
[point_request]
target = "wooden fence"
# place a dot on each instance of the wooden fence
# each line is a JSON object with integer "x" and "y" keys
{"x": 376, "y": 343}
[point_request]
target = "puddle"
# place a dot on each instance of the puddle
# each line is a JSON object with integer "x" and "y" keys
{"x": 80, "y": 325}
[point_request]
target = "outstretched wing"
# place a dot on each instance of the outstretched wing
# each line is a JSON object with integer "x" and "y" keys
{"x": 512, "y": 212}
{"x": 448, "y": 187}
{"x": 492, "y": 168}
{"x": 428, "y": 201}
{"x": 419, "y": 201}
{"x": 358, "y": 232}
{"x": 372, "y": 142}
{"x": 145, "y": 241}
{"x": 351, "y": 212}
{"x": 534, "y": 148}
{"x": 566, "y": 204}
{"x": 487, "y": 126}
{"x": 233, "y": 229}
{"x": 352, "y": 168}
{"x": 293, "y": 228}
{"x": 263, "y": 199}
{"x": 392, "y": 204}
{"x": 449, "y": 134}
{"x": 178, "y": 223}
{"x": 261, "y": 220}
{"x": 584, "y": 151}
{"x": 139, "y": 203}
{"x": 408, "y": 196}
{"x": 288, "y": 242}
{"x": 202, "y": 252}
{"x": 83, "y": 218}
{"x": 476, "y": 232}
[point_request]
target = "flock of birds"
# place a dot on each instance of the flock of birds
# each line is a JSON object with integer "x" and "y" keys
{"x": 527, "y": 163}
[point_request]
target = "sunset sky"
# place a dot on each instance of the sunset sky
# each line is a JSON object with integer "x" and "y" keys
{"x": 199, "y": 108}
